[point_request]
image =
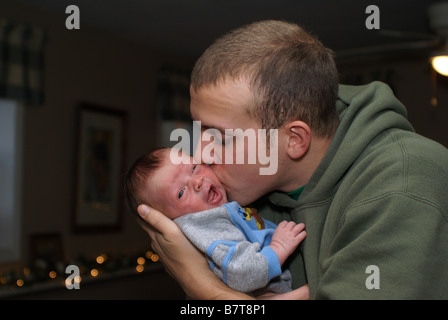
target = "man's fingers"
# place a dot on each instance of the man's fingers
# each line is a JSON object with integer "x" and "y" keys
{"x": 302, "y": 293}
{"x": 159, "y": 227}
{"x": 154, "y": 218}
{"x": 145, "y": 226}
{"x": 142, "y": 210}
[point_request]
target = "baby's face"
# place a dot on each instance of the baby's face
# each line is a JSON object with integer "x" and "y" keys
{"x": 185, "y": 188}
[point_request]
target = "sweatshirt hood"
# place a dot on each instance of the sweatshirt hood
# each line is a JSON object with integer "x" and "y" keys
{"x": 364, "y": 112}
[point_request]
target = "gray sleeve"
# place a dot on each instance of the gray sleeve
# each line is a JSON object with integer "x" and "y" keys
{"x": 243, "y": 265}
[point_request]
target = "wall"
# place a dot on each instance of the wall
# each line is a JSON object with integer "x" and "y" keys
{"x": 410, "y": 77}
{"x": 92, "y": 66}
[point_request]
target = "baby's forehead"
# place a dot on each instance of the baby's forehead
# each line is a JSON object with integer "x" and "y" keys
{"x": 159, "y": 181}
{"x": 177, "y": 156}
{"x": 172, "y": 166}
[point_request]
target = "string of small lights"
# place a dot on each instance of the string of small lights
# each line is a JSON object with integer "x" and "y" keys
{"x": 44, "y": 271}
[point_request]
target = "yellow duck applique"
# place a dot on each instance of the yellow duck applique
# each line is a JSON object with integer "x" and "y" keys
{"x": 251, "y": 212}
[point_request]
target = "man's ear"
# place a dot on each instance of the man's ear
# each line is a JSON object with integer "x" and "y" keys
{"x": 299, "y": 139}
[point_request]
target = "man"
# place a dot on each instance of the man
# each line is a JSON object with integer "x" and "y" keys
{"x": 371, "y": 192}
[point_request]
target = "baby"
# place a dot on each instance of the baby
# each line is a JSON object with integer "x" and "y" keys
{"x": 243, "y": 249}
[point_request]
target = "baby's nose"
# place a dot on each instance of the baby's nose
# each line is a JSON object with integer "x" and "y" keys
{"x": 197, "y": 182}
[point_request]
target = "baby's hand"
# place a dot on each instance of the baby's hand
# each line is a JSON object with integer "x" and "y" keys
{"x": 286, "y": 238}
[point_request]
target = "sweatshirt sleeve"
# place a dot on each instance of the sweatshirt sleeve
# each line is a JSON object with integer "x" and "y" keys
{"x": 241, "y": 264}
{"x": 381, "y": 253}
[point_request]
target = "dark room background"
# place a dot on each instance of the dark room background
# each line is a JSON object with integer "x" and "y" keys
{"x": 137, "y": 63}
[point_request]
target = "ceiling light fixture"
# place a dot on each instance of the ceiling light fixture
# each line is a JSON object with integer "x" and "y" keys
{"x": 438, "y": 18}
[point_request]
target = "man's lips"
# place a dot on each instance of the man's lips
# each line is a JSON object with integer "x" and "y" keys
{"x": 214, "y": 196}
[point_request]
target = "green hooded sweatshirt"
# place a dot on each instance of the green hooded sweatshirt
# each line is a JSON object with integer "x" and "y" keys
{"x": 375, "y": 209}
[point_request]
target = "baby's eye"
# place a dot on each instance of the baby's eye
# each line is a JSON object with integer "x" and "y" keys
{"x": 181, "y": 192}
{"x": 194, "y": 168}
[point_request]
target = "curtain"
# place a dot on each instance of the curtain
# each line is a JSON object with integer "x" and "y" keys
{"x": 22, "y": 62}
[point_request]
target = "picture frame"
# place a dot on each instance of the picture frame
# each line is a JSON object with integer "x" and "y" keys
{"x": 99, "y": 167}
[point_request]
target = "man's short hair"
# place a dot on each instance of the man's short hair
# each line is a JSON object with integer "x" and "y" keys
{"x": 291, "y": 74}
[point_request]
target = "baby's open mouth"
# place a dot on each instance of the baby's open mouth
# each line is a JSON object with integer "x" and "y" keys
{"x": 214, "y": 196}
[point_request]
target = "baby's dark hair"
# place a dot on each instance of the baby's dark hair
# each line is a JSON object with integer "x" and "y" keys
{"x": 138, "y": 174}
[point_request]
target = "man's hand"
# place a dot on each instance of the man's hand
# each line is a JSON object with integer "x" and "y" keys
{"x": 167, "y": 239}
{"x": 302, "y": 293}
{"x": 181, "y": 259}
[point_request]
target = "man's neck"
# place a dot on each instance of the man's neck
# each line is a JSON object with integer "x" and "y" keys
{"x": 299, "y": 171}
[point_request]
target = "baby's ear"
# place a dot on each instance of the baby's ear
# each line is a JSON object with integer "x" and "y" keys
{"x": 298, "y": 135}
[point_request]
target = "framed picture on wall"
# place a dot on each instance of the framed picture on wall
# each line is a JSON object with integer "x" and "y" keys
{"x": 100, "y": 150}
